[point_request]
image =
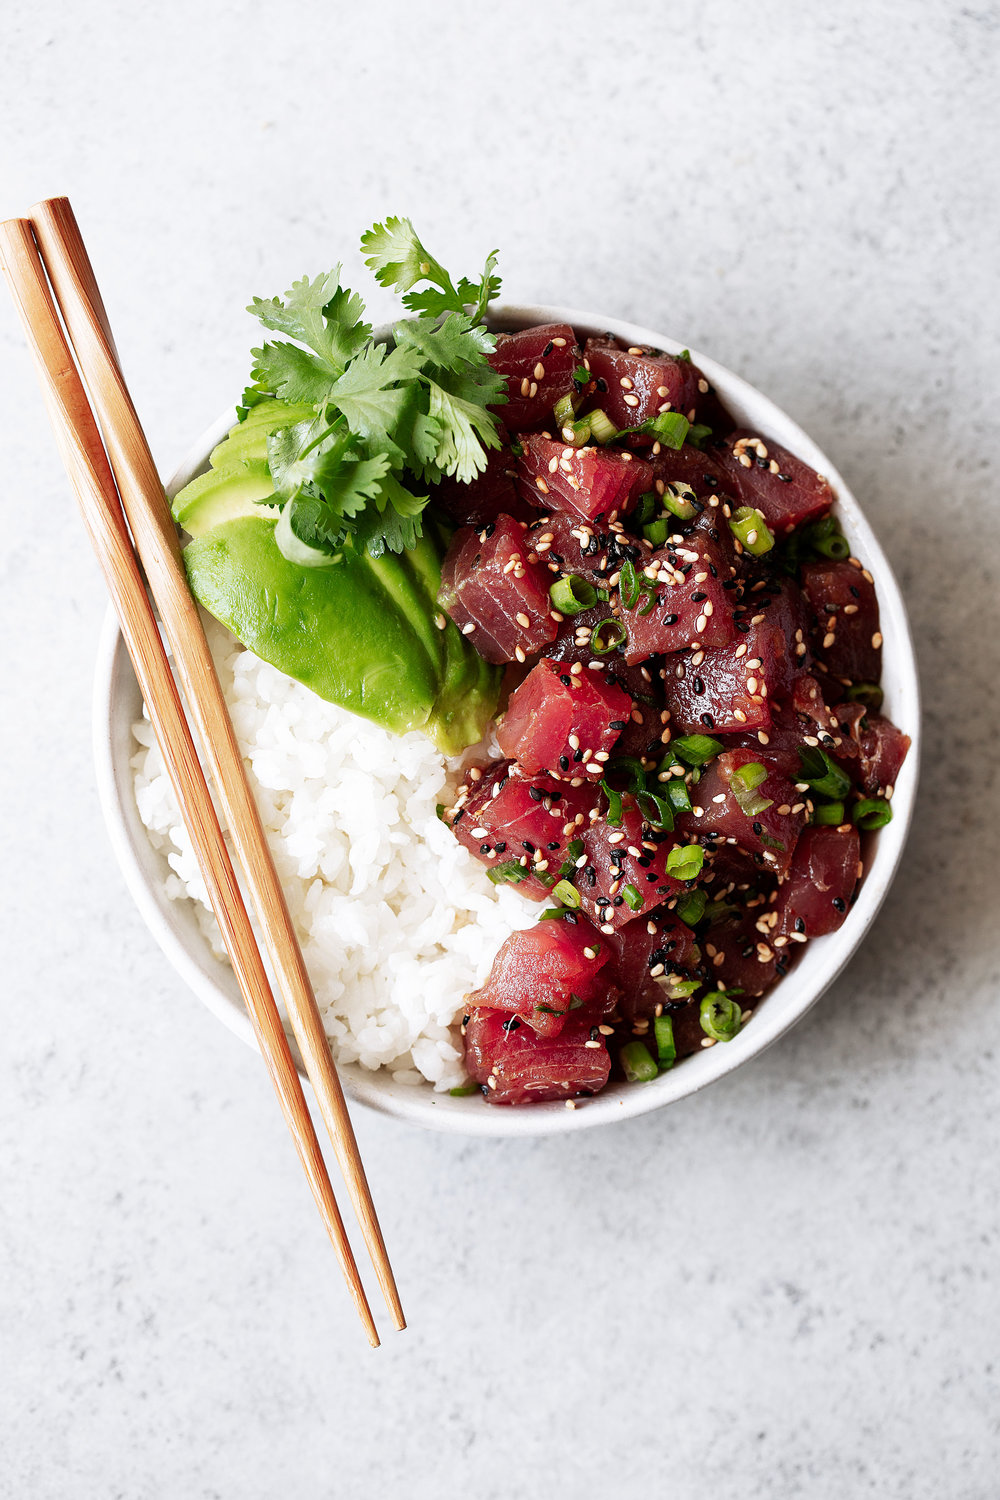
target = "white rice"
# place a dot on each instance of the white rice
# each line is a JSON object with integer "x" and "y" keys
{"x": 397, "y": 921}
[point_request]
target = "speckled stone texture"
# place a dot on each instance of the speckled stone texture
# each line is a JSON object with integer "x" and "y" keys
{"x": 786, "y": 1287}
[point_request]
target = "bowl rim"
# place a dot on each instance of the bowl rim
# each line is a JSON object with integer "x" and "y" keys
{"x": 468, "y": 1116}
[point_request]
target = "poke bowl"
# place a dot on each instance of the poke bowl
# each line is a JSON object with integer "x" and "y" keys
{"x": 181, "y": 932}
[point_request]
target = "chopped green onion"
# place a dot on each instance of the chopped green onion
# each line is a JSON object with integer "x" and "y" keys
{"x": 464, "y": 1091}
{"x": 744, "y": 782}
{"x": 440, "y": 810}
{"x": 628, "y": 585}
{"x": 627, "y": 765}
{"x": 685, "y": 354}
{"x": 671, "y": 427}
{"x": 656, "y": 532}
{"x": 834, "y": 546}
{"x": 678, "y": 795}
{"x": 721, "y": 1016}
{"x": 698, "y": 434}
{"x": 684, "y": 861}
{"x": 552, "y": 913}
{"x": 871, "y": 813}
{"x": 571, "y": 595}
{"x": 576, "y": 434}
{"x": 696, "y": 749}
{"x": 750, "y": 528}
{"x": 680, "y": 499}
{"x": 564, "y": 411}
{"x": 682, "y": 989}
{"x": 604, "y": 596}
{"x": 608, "y": 636}
{"x": 823, "y": 774}
{"x": 637, "y": 1063}
{"x": 828, "y": 814}
{"x": 666, "y": 1050}
{"x": 645, "y": 508}
{"x": 510, "y": 873}
{"x": 868, "y": 693}
{"x": 662, "y": 815}
{"x": 567, "y": 894}
{"x": 582, "y": 376}
{"x": 602, "y": 429}
{"x": 716, "y": 909}
{"x": 692, "y": 908}
{"x": 614, "y": 816}
{"x": 633, "y": 897}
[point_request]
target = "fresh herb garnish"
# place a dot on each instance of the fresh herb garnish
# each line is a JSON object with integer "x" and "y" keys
{"x": 684, "y": 861}
{"x": 389, "y": 421}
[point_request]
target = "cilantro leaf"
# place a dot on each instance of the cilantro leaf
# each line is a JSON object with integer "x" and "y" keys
{"x": 321, "y": 314}
{"x": 465, "y": 428}
{"x": 399, "y": 260}
{"x": 452, "y": 345}
{"x": 291, "y": 373}
{"x": 374, "y": 393}
{"x": 392, "y": 523}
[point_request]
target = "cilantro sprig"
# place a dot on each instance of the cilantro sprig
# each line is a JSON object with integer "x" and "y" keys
{"x": 389, "y": 420}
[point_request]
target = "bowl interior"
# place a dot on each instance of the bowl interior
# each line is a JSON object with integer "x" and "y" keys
{"x": 118, "y": 704}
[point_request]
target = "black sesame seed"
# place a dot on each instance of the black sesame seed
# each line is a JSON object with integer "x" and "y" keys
{"x": 617, "y": 724}
{"x": 501, "y": 848}
{"x": 530, "y": 848}
{"x": 489, "y": 528}
{"x": 578, "y": 754}
{"x": 618, "y": 901}
{"x": 697, "y": 598}
{"x": 535, "y": 793}
{"x": 548, "y": 349}
{"x": 602, "y": 384}
{"x": 565, "y": 679}
{"x": 839, "y": 904}
{"x": 758, "y": 829}
{"x": 800, "y": 926}
{"x": 458, "y": 816}
{"x": 484, "y": 848}
{"x": 564, "y": 762}
{"x": 698, "y": 685}
{"x": 512, "y": 1023}
{"x": 554, "y": 844}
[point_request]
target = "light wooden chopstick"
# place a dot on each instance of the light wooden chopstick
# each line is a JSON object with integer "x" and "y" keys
{"x": 156, "y": 541}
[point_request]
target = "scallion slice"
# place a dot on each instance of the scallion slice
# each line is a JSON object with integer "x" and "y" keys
{"x": 656, "y": 532}
{"x": 744, "y": 783}
{"x": 628, "y": 585}
{"x": 750, "y": 528}
{"x": 464, "y": 1091}
{"x": 834, "y": 546}
{"x": 680, "y": 499}
{"x": 564, "y": 411}
{"x": 582, "y": 376}
{"x": 567, "y": 894}
{"x": 666, "y": 1049}
{"x": 552, "y": 913}
{"x": 828, "y": 814}
{"x": 822, "y": 774}
{"x": 633, "y": 897}
{"x": 637, "y": 1063}
{"x": 614, "y": 813}
{"x": 608, "y": 636}
{"x": 656, "y": 810}
{"x": 678, "y": 795}
{"x": 871, "y": 813}
{"x": 645, "y": 509}
{"x": 721, "y": 1016}
{"x": 571, "y": 595}
{"x": 628, "y": 765}
{"x": 509, "y": 873}
{"x": 684, "y": 861}
{"x": 670, "y": 427}
{"x": 602, "y": 429}
{"x": 696, "y": 749}
{"x": 698, "y": 434}
{"x": 692, "y": 908}
{"x": 868, "y": 693}
{"x": 682, "y": 989}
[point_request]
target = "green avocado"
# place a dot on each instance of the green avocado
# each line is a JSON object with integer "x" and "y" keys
{"x": 363, "y": 633}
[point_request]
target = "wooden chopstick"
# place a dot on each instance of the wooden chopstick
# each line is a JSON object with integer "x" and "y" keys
{"x": 156, "y": 541}
{"x": 87, "y": 465}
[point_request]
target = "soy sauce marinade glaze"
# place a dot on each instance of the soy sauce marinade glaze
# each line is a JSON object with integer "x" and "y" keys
{"x": 693, "y": 743}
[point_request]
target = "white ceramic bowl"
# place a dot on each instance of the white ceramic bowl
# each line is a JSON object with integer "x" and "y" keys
{"x": 118, "y": 705}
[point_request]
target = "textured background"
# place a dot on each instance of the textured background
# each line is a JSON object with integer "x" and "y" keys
{"x": 784, "y": 1287}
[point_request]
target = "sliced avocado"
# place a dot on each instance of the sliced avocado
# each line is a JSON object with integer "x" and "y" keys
{"x": 248, "y": 439}
{"x": 223, "y": 495}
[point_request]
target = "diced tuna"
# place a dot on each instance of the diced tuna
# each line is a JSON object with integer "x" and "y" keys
{"x": 515, "y": 1065}
{"x": 728, "y": 690}
{"x": 538, "y": 365}
{"x": 547, "y": 972}
{"x": 486, "y": 497}
{"x": 558, "y": 720}
{"x": 507, "y": 819}
{"x": 625, "y": 875}
{"x": 787, "y": 492}
{"x": 847, "y": 638}
{"x": 691, "y": 606}
{"x": 596, "y": 484}
{"x": 770, "y": 836}
{"x": 882, "y": 749}
{"x": 631, "y": 388}
{"x": 495, "y": 594}
{"x": 643, "y": 953}
{"x": 739, "y": 953}
{"x": 817, "y": 893}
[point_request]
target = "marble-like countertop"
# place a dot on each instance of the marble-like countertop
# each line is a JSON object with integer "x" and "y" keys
{"x": 785, "y": 1287}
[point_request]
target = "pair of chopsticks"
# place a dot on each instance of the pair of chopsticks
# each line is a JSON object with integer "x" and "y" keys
{"x": 128, "y": 520}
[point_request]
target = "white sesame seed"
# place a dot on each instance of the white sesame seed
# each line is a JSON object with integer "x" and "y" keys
{"x": 539, "y": 371}
{"x": 468, "y": 629}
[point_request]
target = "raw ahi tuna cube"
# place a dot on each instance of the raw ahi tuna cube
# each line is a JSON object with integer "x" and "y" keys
{"x": 784, "y": 489}
{"x": 644, "y": 953}
{"x": 486, "y": 497}
{"x": 547, "y": 972}
{"x": 691, "y": 606}
{"x": 495, "y": 593}
{"x": 691, "y": 466}
{"x": 595, "y": 484}
{"x": 847, "y": 637}
{"x": 728, "y": 689}
{"x": 631, "y": 388}
{"x": 625, "y": 875}
{"x": 514, "y": 1065}
{"x": 561, "y": 718}
{"x": 770, "y": 836}
{"x": 881, "y": 751}
{"x": 817, "y": 893}
{"x": 508, "y": 820}
{"x": 538, "y": 365}
{"x": 740, "y": 954}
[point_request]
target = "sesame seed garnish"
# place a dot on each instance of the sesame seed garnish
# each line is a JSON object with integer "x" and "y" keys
{"x": 440, "y": 622}
{"x": 540, "y": 484}
{"x": 519, "y": 653}
{"x": 539, "y": 371}
{"x": 876, "y": 640}
{"x": 631, "y": 400}
{"x": 533, "y": 388}
{"x": 522, "y": 619}
{"x": 625, "y": 383}
{"x": 468, "y": 629}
